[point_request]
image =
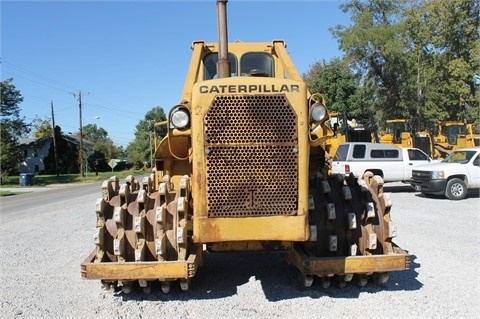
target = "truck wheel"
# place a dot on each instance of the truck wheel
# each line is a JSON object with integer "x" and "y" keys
{"x": 456, "y": 189}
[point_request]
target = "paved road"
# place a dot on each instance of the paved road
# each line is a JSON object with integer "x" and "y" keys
{"x": 34, "y": 197}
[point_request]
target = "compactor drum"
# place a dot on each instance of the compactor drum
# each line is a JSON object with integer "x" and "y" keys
{"x": 242, "y": 168}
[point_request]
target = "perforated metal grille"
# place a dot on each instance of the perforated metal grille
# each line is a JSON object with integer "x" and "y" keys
{"x": 252, "y": 156}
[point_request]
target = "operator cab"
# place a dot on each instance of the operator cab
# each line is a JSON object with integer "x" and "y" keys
{"x": 452, "y": 132}
{"x": 249, "y": 64}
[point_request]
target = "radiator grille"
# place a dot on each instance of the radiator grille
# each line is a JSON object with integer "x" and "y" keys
{"x": 252, "y": 156}
{"x": 421, "y": 175}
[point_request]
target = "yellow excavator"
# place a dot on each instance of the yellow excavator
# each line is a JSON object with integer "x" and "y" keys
{"x": 242, "y": 168}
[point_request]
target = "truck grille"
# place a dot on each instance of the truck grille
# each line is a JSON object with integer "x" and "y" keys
{"x": 252, "y": 156}
{"x": 421, "y": 175}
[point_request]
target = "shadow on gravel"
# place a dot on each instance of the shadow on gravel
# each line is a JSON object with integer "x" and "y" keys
{"x": 407, "y": 188}
{"x": 230, "y": 274}
{"x": 398, "y": 188}
{"x": 472, "y": 193}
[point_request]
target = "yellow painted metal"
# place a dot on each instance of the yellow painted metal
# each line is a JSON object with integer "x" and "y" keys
{"x": 146, "y": 270}
{"x": 454, "y": 135}
{"x": 326, "y": 266}
{"x": 258, "y": 228}
{"x": 283, "y": 64}
{"x": 293, "y": 228}
{"x": 255, "y": 245}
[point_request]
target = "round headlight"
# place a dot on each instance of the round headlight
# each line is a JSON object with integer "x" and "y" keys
{"x": 318, "y": 112}
{"x": 179, "y": 119}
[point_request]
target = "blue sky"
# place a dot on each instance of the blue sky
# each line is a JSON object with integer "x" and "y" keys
{"x": 127, "y": 57}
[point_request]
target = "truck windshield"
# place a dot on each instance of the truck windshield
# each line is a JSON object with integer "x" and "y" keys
{"x": 461, "y": 157}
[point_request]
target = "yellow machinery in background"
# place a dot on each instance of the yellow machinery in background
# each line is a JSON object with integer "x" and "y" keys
{"x": 400, "y": 132}
{"x": 454, "y": 135}
{"x": 242, "y": 168}
{"x": 349, "y": 130}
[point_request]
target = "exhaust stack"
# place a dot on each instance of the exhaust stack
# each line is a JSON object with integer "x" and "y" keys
{"x": 223, "y": 65}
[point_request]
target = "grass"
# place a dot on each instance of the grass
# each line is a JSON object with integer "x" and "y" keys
{"x": 44, "y": 180}
{"x": 9, "y": 193}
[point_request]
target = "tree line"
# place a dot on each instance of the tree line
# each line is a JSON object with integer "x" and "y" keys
{"x": 409, "y": 59}
{"x": 14, "y": 127}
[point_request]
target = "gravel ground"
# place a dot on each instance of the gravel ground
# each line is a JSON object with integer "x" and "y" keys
{"x": 42, "y": 252}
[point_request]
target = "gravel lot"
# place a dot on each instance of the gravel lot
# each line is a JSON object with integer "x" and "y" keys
{"x": 42, "y": 249}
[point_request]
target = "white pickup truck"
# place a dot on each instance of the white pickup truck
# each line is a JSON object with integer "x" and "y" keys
{"x": 392, "y": 163}
{"x": 452, "y": 177}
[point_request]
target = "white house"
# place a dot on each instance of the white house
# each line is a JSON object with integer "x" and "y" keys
{"x": 33, "y": 152}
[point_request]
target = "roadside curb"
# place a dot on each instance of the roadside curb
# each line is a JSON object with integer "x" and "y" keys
{"x": 30, "y": 189}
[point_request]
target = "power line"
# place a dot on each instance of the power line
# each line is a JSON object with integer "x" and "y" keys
{"x": 46, "y": 81}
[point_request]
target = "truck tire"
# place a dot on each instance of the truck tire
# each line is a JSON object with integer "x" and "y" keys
{"x": 456, "y": 189}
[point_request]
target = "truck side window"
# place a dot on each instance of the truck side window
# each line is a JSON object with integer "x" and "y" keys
{"x": 359, "y": 151}
{"x": 377, "y": 154}
{"x": 416, "y": 155}
{"x": 341, "y": 153}
{"x": 384, "y": 154}
{"x": 391, "y": 153}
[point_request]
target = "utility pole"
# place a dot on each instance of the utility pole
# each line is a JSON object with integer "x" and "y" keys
{"x": 419, "y": 94}
{"x": 80, "y": 152}
{"x": 54, "y": 140}
{"x": 150, "y": 142}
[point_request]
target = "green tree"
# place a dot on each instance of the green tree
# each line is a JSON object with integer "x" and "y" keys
{"x": 374, "y": 45}
{"x": 42, "y": 128}
{"x": 445, "y": 40}
{"x": 94, "y": 134}
{"x": 67, "y": 156}
{"x": 139, "y": 150}
{"x": 339, "y": 85}
{"x": 13, "y": 126}
{"x": 416, "y": 59}
{"x": 103, "y": 147}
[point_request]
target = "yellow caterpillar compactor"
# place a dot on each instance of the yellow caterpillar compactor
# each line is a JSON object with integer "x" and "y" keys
{"x": 241, "y": 169}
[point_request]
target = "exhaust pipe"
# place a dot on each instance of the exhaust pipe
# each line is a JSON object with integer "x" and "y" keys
{"x": 223, "y": 65}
